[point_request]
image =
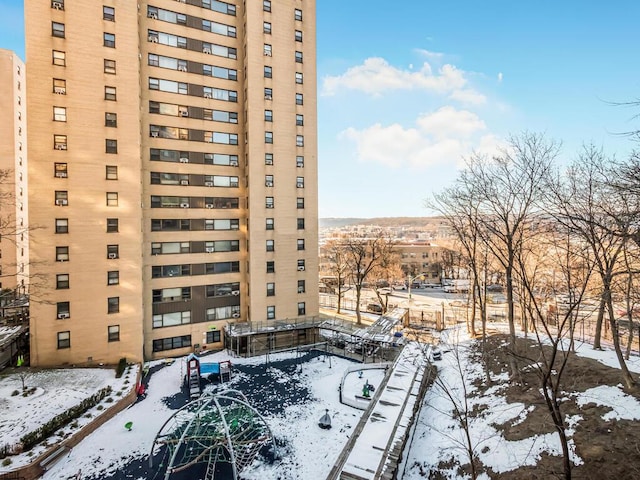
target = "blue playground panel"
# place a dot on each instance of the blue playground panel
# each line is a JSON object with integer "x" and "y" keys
{"x": 209, "y": 369}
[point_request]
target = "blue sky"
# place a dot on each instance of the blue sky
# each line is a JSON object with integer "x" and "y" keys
{"x": 407, "y": 89}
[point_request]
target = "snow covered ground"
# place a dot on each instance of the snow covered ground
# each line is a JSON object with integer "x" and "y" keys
{"x": 438, "y": 438}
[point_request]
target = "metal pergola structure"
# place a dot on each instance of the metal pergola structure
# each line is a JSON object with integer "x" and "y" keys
{"x": 210, "y": 430}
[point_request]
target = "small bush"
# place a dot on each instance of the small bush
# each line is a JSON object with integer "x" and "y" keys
{"x": 6, "y": 462}
{"x": 118, "y": 394}
{"x": 74, "y": 424}
{"x": 14, "y": 393}
{"x": 122, "y": 364}
{"x": 99, "y": 407}
{"x": 109, "y": 400}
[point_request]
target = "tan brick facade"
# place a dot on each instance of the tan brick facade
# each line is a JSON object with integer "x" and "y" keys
{"x": 159, "y": 108}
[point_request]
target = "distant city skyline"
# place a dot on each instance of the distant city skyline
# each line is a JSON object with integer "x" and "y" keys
{"x": 407, "y": 90}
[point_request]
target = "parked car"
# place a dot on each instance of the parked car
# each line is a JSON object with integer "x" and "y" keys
{"x": 374, "y": 308}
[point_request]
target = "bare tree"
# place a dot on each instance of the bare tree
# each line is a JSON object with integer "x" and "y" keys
{"x": 509, "y": 188}
{"x": 365, "y": 254}
{"x": 336, "y": 254}
{"x": 588, "y": 204}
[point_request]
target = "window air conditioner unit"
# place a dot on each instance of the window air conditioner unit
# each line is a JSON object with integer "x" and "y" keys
{"x": 235, "y": 292}
{"x": 62, "y": 260}
{"x": 184, "y": 205}
{"x": 112, "y": 256}
{"x": 61, "y": 202}
{"x": 236, "y": 315}
{"x": 153, "y": 39}
{"x": 184, "y": 113}
{"x": 301, "y": 268}
{"x": 56, "y": 5}
{"x": 153, "y": 15}
{"x": 60, "y": 90}
{"x": 301, "y": 290}
{"x": 209, "y": 205}
{"x": 184, "y": 160}
{"x": 208, "y": 184}
{"x": 235, "y": 184}
{"x": 268, "y": 184}
{"x": 269, "y": 205}
{"x": 154, "y": 134}
{"x": 209, "y": 249}
{"x": 206, "y": 50}
{"x": 61, "y": 146}
{"x": 182, "y": 68}
{"x": 267, "y": 53}
{"x": 268, "y": 97}
{"x": 63, "y": 315}
{"x": 233, "y": 163}
{"x": 184, "y": 182}
{"x": 61, "y": 174}
{"x": 300, "y": 185}
{"x": 207, "y": 95}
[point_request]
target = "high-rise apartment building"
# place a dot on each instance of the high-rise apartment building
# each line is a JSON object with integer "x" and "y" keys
{"x": 173, "y": 168}
{"x": 14, "y": 248}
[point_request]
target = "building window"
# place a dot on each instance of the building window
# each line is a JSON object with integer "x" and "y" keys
{"x": 266, "y": 5}
{"x": 297, "y": 14}
{"x": 266, "y": 27}
{"x": 110, "y": 66}
{"x": 171, "y": 343}
{"x": 300, "y": 182}
{"x": 301, "y": 244}
{"x": 299, "y": 202}
{"x": 62, "y": 254}
{"x": 111, "y": 145}
{"x": 268, "y": 137}
{"x": 109, "y": 40}
{"x": 268, "y": 94}
{"x": 269, "y": 223}
{"x": 63, "y": 310}
{"x": 302, "y": 309}
{"x": 268, "y": 115}
{"x": 301, "y": 286}
{"x": 268, "y": 51}
{"x": 268, "y": 158}
{"x": 57, "y": 4}
{"x": 113, "y": 304}
{"x": 112, "y": 199}
{"x": 61, "y": 198}
{"x": 268, "y": 72}
{"x": 271, "y": 246}
{"x": 300, "y": 223}
{"x": 113, "y": 333}
{"x": 110, "y": 93}
{"x": 111, "y": 172}
{"x": 300, "y": 161}
{"x": 299, "y": 141}
{"x": 62, "y": 281}
{"x": 213, "y": 336}
{"x": 268, "y": 180}
{"x": 60, "y": 170}
{"x": 110, "y": 119}
{"x": 112, "y": 225}
{"x": 268, "y": 201}
{"x": 271, "y": 312}
{"x": 271, "y": 289}
{"x": 301, "y": 265}
{"x": 62, "y": 225}
{"x": 113, "y": 252}
{"x": 113, "y": 277}
{"x": 109, "y": 13}
{"x": 299, "y": 78}
{"x": 298, "y": 57}
{"x": 59, "y": 86}
{"x": 59, "y": 114}
{"x": 298, "y": 36}
{"x": 60, "y": 142}
{"x": 299, "y": 99}
{"x": 299, "y": 120}
{"x": 271, "y": 266}
{"x": 57, "y": 29}
{"x": 59, "y": 58}
{"x": 64, "y": 340}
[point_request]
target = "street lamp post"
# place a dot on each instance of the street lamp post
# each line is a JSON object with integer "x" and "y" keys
{"x": 421, "y": 276}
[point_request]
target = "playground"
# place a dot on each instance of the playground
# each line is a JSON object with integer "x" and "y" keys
{"x": 289, "y": 393}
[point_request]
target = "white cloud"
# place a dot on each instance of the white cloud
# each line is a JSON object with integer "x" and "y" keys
{"x": 376, "y": 76}
{"x": 445, "y": 136}
{"x": 429, "y": 54}
{"x": 499, "y": 77}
